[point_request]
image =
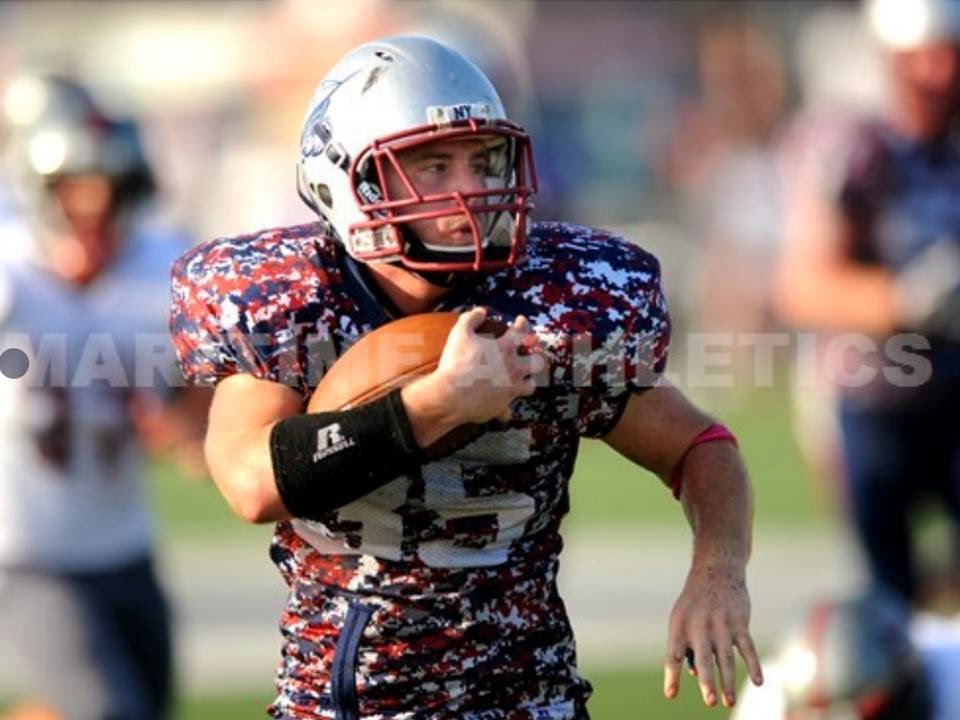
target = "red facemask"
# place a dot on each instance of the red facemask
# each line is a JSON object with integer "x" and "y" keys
{"x": 497, "y": 216}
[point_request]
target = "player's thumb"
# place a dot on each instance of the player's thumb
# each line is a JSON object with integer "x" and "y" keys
{"x": 472, "y": 319}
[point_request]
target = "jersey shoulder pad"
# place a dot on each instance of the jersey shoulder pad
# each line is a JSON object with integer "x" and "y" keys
{"x": 582, "y": 268}
{"x": 228, "y": 292}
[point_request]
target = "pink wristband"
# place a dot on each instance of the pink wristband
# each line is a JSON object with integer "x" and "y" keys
{"x": 711, "y": 434}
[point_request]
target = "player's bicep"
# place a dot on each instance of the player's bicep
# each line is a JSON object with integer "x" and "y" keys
{"x": 237, "y": 444}
{"x": 656, "y": 428}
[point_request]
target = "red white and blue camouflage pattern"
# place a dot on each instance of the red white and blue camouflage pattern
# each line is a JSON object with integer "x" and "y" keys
{"x": 434, "y": 596}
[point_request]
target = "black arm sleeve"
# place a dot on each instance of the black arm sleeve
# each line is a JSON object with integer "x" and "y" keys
{"x": 322, "y": 461}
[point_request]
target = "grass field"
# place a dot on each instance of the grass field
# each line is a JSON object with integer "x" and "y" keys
{"x": 618, "y": 695}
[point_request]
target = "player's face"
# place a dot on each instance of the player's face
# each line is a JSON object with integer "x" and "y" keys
{"x": 86, "y": 200}
{"x": 929, "y": 76}
{"x": 444, "y": 167}
{"x": 87, "y": 246}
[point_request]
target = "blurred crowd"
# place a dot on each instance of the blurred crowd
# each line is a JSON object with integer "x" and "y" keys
{"x": 795, "y": 166}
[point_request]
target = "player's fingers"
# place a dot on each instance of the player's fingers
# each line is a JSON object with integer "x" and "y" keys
{"x": 748, "y": 652}
{"x": 671, "y": 676}
{"x": 522, "y": 366}
{"x": 703, "y": 653}
{"x": 522, "y": 381}
{"x": 726, "y": 662}
{"x": 526, "y": 387}
{"x": 672, "y": 663}
{"x": 506, "y": 416}
{"x": 537, "y": 358}
{"x": 515, "y": 338}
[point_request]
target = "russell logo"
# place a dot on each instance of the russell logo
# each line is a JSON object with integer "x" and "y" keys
{"x": 330, "y": 440}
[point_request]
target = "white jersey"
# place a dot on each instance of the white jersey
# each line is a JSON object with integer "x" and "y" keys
{"x": 70, "y": 360}
{"x": 936, "y": 638}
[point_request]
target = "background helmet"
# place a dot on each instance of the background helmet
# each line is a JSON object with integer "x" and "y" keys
{"x": 392, "y": 95}
{"x": 853, "y": 660}
{"x": 909, "y": 24}
{"x": 51, "y": 127}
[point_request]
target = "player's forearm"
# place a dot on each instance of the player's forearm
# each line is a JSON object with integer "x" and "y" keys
{"x": 718, "y": 502}
{"x": 431, "y": 417}
{"x": 237, "y": 444}
{"x": 821, "y": 298}
{"x": 242, "y": 470}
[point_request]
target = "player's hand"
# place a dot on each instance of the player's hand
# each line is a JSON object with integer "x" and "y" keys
{"x": 710, "y": 619}
{"x": 479, "y": 376}
{"x": 927, "y": 290}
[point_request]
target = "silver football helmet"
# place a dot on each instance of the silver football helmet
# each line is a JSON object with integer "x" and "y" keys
{"x": 51, "y": 127}
{"x": 392, "y": 95}
{"x": 853, "y": 660}
{"x": 908, "y": 24}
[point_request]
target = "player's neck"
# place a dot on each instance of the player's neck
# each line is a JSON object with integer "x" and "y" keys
{"x": 81, "y": 257}
{"x": 924, "y": 119}
{"x": 410, "y": 293}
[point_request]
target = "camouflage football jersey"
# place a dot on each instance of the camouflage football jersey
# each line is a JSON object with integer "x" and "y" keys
{"x": 434, "y": 596}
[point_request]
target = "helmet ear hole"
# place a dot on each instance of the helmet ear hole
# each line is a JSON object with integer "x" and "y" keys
{"x": 322, "y": 191}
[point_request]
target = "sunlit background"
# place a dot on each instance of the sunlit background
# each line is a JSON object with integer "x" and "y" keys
{"x": 665, "y": 121}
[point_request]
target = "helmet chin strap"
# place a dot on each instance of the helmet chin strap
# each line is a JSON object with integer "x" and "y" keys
{"x": 440, "y": 278}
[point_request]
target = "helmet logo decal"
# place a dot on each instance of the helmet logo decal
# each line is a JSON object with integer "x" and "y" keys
{"x": 447, "y": 114}
{"x": 317, "y": 132}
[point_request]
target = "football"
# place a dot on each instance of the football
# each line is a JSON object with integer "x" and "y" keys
{"x": 390, "y": 357}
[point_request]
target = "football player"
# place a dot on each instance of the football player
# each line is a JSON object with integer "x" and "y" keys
{"x": 422, "y": 584}
{"x": 873, "y": 254}
{"x": 83, "y": 357}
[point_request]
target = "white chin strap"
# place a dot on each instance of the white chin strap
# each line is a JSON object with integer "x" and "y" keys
{"x": 499, "y": 234}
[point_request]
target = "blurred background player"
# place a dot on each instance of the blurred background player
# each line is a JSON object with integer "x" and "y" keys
{"x": 861, "y": 658}
{"x": 841, "y": 78}
{"x": 85, "y": 360}
{"x": 874, "y": 250}
{"x": 723, "y": 162}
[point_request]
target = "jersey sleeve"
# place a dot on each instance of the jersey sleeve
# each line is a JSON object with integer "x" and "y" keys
{"x": 631, "y": 355}
{"x": 208, "y": 327}
{"x": 862, "y": 186}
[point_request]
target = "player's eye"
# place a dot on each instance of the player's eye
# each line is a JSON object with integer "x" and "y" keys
{"x": 479, "y": 166}
{"x": 435, "y": 167}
